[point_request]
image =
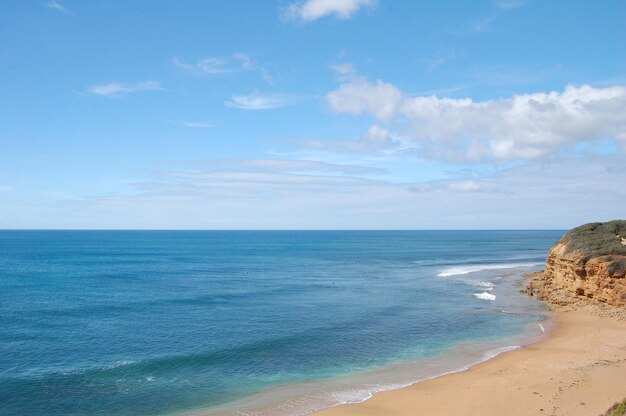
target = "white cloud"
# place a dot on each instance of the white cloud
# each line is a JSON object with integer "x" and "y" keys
{"x": 361, "y": 96}
{"x": 218, "y": 65}
{"x": 344, "y": 71}
{"x": 378, "y": 134}
{"x": 257, "y": 101}
{"x": 53, "y": 4}
{"x": 310, "y": 10}
{"x": 525, "y": 126}
{"x": 377, "y": 138}
{"x": 118, "y": 89}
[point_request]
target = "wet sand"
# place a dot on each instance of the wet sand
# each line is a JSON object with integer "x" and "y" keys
{"x": 579, "y": 368}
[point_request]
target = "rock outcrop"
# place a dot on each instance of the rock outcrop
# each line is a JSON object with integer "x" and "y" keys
{"x": 588, "y": 265}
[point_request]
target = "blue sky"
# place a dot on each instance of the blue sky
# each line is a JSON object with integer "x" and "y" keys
{"x": 314, "y": 114}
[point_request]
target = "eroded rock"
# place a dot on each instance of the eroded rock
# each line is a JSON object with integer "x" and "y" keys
{"x": 588, "y": 263}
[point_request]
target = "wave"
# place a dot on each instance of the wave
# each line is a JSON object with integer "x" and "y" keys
{"x": 121, "y": 363}
{"x": 497, "y": 351}
{"x": 332, "y": 395}
{"x": 471, "y": 268}
{"x": 485, "y": 296}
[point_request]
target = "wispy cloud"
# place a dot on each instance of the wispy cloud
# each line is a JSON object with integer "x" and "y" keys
{"x": 508, "y": 4}
{"x": 464, "y": 186}
{"x": 310, "y": 10}
{"x": 457, "y": 186}
{"x": 376, "y": 140}
{"x": 475, "y": 79}
{"x": 296, "y": 194}
{"x": 53, "y": 4}
{"x": 485, "y": 23}
{"x": 60, "y": 195}
{"x": 217, "y": 65}
{"x": 119, "y": 89}
{"x": 224, "y": 65}
{"x": 5, "y": 188}
{"x": 197, "y": 124}
{"x": 442, "y": 57}
{"x": 257, "y": 101}
{"x": 289, "y": 166}
{"x": 480, "y": 25}
{"x": 344, "y": 71}
{"x": 554, "y": 181}
{"x": 267, "y": 76}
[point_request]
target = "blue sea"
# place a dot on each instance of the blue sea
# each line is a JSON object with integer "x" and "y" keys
{"x": 251, "y": 322}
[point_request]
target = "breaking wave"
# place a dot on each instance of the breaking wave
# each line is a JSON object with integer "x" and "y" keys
{"x": 471, "y": 268}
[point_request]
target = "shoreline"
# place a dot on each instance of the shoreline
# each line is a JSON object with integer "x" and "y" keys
{"x": 305, "y": 397}
{"x": 282, "y": 397}
{"x": 577, "y": 367}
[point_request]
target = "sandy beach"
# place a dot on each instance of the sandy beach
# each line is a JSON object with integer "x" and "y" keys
{"x": 579, "y": 368}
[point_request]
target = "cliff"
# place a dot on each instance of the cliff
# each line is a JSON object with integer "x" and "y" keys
{"x": 587, "y": 265}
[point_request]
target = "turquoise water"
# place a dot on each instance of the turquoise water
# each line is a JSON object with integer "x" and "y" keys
{"x": 159, "y": 322}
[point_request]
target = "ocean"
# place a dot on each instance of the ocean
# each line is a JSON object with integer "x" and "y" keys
{"x": 251, "y": 322}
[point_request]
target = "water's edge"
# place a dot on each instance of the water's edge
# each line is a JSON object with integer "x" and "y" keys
{"x": 278, "y": 402}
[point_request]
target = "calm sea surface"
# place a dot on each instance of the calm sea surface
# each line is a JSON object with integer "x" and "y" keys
{"x": 161, "y": 322}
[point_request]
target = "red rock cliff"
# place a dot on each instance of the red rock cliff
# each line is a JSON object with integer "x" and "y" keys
{"x": 588, "y": 263}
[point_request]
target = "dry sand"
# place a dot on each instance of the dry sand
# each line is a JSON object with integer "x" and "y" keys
{"x": 579, "y": 369}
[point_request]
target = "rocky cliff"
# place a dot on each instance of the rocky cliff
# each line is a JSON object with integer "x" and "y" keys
{"x": 588, "y": 264}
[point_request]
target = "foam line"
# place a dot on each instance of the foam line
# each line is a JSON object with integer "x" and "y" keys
{"x": 471, "y": 268}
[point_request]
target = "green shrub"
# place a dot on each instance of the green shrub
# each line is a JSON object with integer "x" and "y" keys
{"x": 618, "y": 409}
{"x": 596, "y": 239}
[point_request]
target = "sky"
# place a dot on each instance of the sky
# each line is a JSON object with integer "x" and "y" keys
{"x": 314, "y": 114}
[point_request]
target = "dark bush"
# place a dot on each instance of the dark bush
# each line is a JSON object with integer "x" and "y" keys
{"x": 617, "y": 267}
{"x": 618, "y": 409}
{"x": 596, "y": 239}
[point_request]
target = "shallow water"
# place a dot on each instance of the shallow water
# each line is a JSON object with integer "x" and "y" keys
{"x": 158, "y": 322}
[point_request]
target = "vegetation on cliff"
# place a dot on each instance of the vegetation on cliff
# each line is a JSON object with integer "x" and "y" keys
{"x": 618, "y": 409}
{"x": 587, "y": 266}
{"x": 597, "y": 239}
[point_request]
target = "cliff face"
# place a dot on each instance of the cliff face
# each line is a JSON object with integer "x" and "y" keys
{"x": 587, "y": 264}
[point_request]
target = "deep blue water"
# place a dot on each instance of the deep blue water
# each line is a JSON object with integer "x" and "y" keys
{"x": 156, "y": 322}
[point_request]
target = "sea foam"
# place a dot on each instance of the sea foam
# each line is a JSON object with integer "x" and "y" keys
{"x": 485, "y": 296}
{"x": 471, "y": 268}
{"x": 497, "y": 351}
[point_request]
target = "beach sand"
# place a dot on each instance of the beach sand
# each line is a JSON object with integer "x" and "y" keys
{"x": 579, "y": 368}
